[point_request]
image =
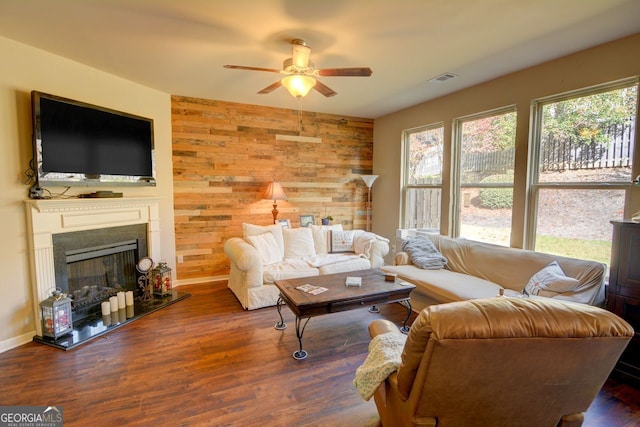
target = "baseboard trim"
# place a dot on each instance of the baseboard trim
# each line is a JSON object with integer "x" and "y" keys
{"x": 14, "y": 342}
{"x": 199, "y": 280}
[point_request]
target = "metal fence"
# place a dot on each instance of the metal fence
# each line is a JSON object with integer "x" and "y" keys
{"x": 570, "y": 154}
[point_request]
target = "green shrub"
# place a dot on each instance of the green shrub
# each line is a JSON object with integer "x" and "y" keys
{"x": 497, "y": 198}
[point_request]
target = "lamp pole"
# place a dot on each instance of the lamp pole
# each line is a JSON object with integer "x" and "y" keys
{"x": 368, "y": 180}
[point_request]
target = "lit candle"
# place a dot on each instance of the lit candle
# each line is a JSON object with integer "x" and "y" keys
{"x": 121, "y": 300}
{"x": 129, "y": 298}
{"x": 106, "y": 308}
{"x": 113, "y": 301}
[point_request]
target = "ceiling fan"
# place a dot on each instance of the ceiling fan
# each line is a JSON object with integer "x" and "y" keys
{"x": 300, "y": 73}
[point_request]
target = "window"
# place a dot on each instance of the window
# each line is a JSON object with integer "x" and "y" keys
{"x": 423, "y": 150}
{"x": 484, "y": 161}
{"x": 581, "y": 156}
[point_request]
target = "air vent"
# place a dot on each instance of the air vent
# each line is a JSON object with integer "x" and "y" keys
{"x": 443, "y": 78}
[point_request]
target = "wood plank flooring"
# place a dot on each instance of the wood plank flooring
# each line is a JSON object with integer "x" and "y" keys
{"x": 206, "y": 362}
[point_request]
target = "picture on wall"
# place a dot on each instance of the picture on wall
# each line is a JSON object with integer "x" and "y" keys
{"x": 306, "y": 220}
{"x": 284, "y": 223}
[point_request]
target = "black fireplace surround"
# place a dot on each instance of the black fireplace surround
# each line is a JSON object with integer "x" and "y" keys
{"x": 90, "y": 266}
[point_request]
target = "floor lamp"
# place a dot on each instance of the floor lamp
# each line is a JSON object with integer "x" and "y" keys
{"x": 368, "y": 180}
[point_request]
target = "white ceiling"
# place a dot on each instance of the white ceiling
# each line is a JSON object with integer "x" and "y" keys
{"x": 180, "y": 46}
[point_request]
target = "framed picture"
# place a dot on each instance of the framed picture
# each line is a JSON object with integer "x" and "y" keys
{"x": 306, "y": 220}
{"x": 284, "y": 223}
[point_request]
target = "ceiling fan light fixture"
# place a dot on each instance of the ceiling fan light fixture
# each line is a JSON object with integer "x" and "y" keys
{"x": 298, "y": 85}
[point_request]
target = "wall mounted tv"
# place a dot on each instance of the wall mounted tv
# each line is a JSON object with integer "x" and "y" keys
{"x": 79, "y": 144}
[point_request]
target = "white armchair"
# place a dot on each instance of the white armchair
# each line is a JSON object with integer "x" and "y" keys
{"x": 269, "y": 253}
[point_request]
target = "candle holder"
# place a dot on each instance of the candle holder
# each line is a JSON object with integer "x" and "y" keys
{"x": 56, "y": 315}
{"x": 161, "y": 279}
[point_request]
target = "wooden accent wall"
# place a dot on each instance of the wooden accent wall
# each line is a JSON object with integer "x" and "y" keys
{"x": 224, "y": 156}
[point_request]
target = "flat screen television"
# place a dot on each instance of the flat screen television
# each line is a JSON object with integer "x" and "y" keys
{"x": 80, "y": 144}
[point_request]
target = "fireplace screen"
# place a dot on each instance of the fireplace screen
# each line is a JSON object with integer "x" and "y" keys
{"x": 95, "y": 274}
{"x": 91, "y": 266}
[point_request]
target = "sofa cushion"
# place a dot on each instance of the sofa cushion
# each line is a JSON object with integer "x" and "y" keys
{"x": 352, "y": 264}
{"x": 321, "y": 236}
{"x": 551, "y": 279}
{"x": 267, "y": 247}
{"x": 275, "y": 229}
{"x": 444, "y": 285}
{"x": 288, "y": 269}
{"x": 341, "y": 241}
{"x": 298, "y": 242}
{"x": 423, "y": 253}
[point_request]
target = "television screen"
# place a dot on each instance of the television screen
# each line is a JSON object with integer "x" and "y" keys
{"x": 76, "y": 143}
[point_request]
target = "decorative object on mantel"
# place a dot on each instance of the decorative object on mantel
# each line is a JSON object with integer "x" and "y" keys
{"x": 275, "y": 192}
{"x": 368, "y": 180}
{"x": 144, "y": 266}
{"x": 161, "y": 279}
{"x": 56, "y": 315}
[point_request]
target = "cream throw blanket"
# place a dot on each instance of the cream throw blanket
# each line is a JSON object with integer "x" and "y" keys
{"x": 384, "y": 357}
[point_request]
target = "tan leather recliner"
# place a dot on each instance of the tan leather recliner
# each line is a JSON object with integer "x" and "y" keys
{"x": 501, "y": 362}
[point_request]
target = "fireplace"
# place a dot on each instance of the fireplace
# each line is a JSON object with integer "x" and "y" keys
{"x": 91, "y": 266}
{"x": 89, "y": 248}
{"x": 52, "y": 221}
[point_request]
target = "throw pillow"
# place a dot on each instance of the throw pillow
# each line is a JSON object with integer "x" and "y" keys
{"x": 341, "y": 241}
{"x": 267, "y": 247}
{"x": 321, "y": 236}
{"x": 551, "y": 278}
{"x": 275, "y": 229}
{"x": 423, "y": 253}
{"x": 298, "y": 242}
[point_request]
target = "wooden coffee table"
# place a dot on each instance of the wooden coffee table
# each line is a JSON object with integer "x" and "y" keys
{"x": 338, "y": 297}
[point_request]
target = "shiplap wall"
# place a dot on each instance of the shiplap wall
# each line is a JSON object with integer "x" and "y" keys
{"x": 224, "y": 156}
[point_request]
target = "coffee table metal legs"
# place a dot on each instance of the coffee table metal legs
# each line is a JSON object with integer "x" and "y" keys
{"x": 404, "y": 328}
{"x": 280, "y": 325}
{"x": 300, "y": 325}
{"x": 300, "y": 354}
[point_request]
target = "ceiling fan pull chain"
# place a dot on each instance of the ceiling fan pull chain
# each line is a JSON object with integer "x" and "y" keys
{"x": 299, "y": 116}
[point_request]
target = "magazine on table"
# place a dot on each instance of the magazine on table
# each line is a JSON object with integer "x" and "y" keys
{"x": 311, "y": 289}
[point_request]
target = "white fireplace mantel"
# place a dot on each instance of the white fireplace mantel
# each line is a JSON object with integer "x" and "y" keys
{"x": 49, "y": 217}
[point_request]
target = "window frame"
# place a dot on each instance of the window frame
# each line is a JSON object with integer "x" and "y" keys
{"x": 456, "y": 159}
{"x": 406, "y": 186}
{"x": 533, "y": 159}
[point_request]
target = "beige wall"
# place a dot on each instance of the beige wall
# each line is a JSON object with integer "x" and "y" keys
{"x": 25, "y": 69}
{"x": 609, "y": 62}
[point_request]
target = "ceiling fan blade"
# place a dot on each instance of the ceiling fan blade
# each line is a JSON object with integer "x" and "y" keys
{"x": 270, "y": 88}
{"x": 242, "y": 67}
{"x": 324, "y": 89}
{"x": 300, "y": 53}
{"x": 351, "y": 72}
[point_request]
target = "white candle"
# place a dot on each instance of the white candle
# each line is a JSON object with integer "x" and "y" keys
{"x": 129, "y": 311}
{"x": 129, "y": 298}
{"x": 106, "y": 308}
{"x": 113, "y": 301}
{"x": 121, "y": 300}
{"x": 106, "y": 319}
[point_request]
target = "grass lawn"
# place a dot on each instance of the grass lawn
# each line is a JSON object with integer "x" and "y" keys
{"x": 594, "y": 250}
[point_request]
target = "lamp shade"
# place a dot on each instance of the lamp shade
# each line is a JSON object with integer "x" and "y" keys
{"x": 368, "y": 179}
{"x": 298, "y": 85}
{"x": 275, "y": 192}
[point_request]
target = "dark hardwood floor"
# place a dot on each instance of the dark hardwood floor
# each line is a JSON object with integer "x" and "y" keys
{"x": 204, "y": 361}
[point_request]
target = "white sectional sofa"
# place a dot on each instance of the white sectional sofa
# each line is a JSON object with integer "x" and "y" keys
{"x": 481, "y": 270}
{"x": 268, "y": 253}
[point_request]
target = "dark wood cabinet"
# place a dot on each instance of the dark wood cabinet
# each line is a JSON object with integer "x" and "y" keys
{"x": 623, "y": 292}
